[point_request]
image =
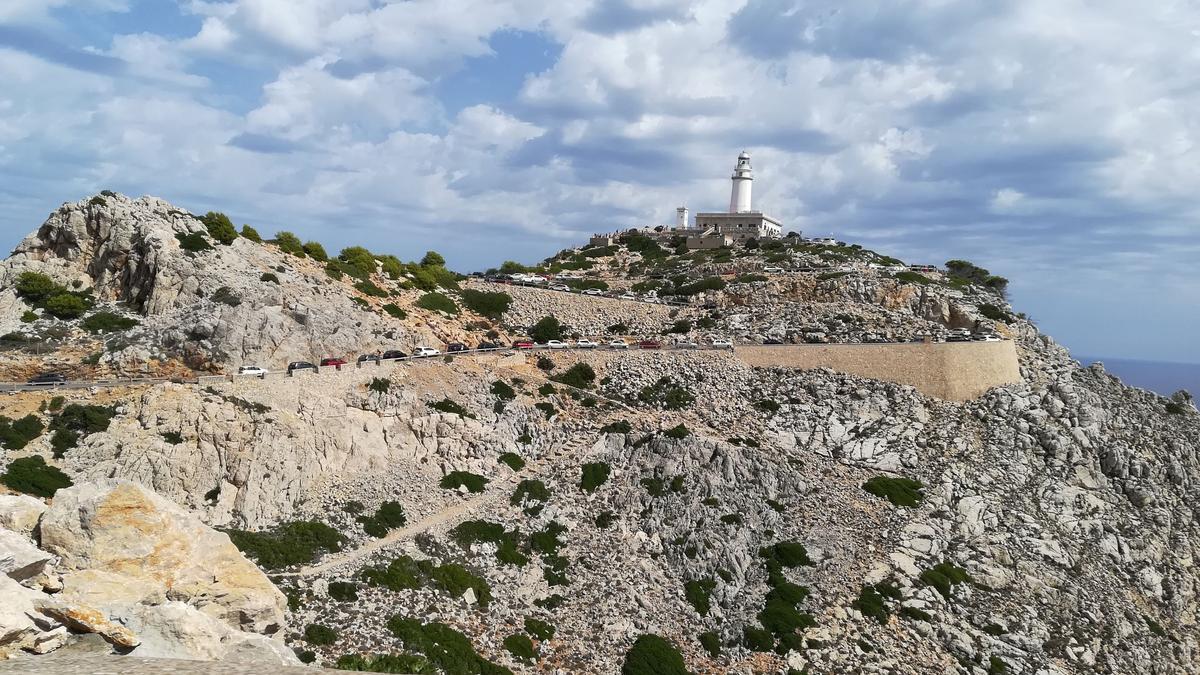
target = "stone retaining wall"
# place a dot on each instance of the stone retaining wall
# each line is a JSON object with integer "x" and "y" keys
{"x": 953, "y": 371}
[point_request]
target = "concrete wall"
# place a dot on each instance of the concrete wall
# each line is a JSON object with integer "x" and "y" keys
{"x": 954, "y": 371}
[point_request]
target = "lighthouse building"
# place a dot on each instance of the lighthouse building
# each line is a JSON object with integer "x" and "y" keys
{"x": 741, "y": 222}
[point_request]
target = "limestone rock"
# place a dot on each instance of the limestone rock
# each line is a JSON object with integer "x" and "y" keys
{"x": 19, "y": 558}
{"x": 85, "y": 619}
{"x": 20, "y": 513}
{"x": 177, "y": 630}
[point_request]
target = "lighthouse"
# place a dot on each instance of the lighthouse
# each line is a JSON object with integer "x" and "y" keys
{"x": 743, "y": 181}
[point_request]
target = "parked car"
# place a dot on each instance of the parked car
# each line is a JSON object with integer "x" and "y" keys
{"x": 686, "y": 343}
{"x": 584, "y": 343}
{"x": 425, "y": 351}
{"x": 593, "y": 291}
{"x": 363, "y": 358}
{"x": 456, "y": 347}
{"x": 959, "y": 335}
{"x": 988, "y": 337}
{"x": 523, "y": 344}
{"x": 252, "y": 370}
{"x": 300, "y": 365}
{"x": 649, "y": 344}
{"x": 618, "y": 344}
{"x": 773, "y": 270}
{"x": 49, "y": 379}
{"x": 488, "y": 346}
{"x": 557, "y": 344}
{"x": 721, "y": 343}
{"x": 394, "y": 354}
{"x": 333, "y": 361}
{"x": 627, "y": 296}
{"x": 560, "y": 287}
{"x": 772, "y": 341}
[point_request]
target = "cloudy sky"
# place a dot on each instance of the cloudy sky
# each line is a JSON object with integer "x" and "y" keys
{"x": 1052, "y": 142}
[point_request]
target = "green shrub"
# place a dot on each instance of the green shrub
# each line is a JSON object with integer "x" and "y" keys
{"x": 107, "y": 322}
{"x": 898, "y": 491}
{"x": 790, "y": 554}
{"x": 368, "y": 288}
{"x": 550, "y": 603}
{"x": 36, "y": 288}
{"x": 711, "y": 643}
{"x": 678, "y": 432}
{"x": 580, "y": 376}
{"x": 333, "y": 272}
{"x": 456, "y": 479}
{"x": 56, "y": 403}
{"x": 915, "y": 614}
{"x": 447, "y": 406}
{"x": 400, "y": 574}
{"x": 911, "y": 278}
{"x": 594, "y": 475}
{"x": 172, "y": 437}
{"x": 996, "y": 666}
{"x": 448, "y": 650}
{"x": 994, "y": 313}
{"x": 943, "y": 577}
{"x": 539, "y": 629}
{"x": 28, "y": 317}
{"x": 618, "y": 427}
{"x": 605, "y": 519}
{"x": 732, "y": 519}
{"x": 701, "y": 286}
{"x": 546, "y": 329}
{"x": 664, "y": 393}
{"x": 395, "y": 311}
{"x": 532, "y": 495}
{"x": 502, "y": 391}
{"x": 289, "y": 243}
{"x": 513, "y": 460}
{"x": 454, "y": 579}
{"x": 380, "y": 384}
{"x": 698, "y": 593}
{"x": 547, "y": 409}
{"x": 66, "y": 306}
{"x": 546, "y": 389}
{"x": 84, "y": 418}
{"x": 996, "y": 630}
{"x": 219, "y": 227}
{"x": 384, "y": 663}
{"x": 251, "y": 234}
{"x": 521, "y": 647}
{"x": 757, "y": 639}
{"x": 618, "y": 329}
{"x": 768, "y": 406}
{"x": 436, "y": 302}
{"x": 293, "y": 543}
{"x": 63, "y": 440}
{"x": 491, "y": 305}
{"x": 315, "y": 251}
{"x": 193, "y": 242}
{"x": 359, "y": 258}
{"x": 1176, "y": 408}
{"x": 652, "y": 655}
{"x": 343, "y": 591}
{"x": 1154, "y": 626}
{"x": 269, "y": 277}
{"x": 226, "y": 296}
{"x": 33, "y": 476}
{"x": 316, "y": 634}
{"x": 306, "y": 655}
{"x": 544, "y": 363}
{"x": 871, "y": 604}
{"x": 781, "y": 617}
{"x": 682, "y": 327}
{"x": 476, "y": 531}
{"x": 15, "y": 435}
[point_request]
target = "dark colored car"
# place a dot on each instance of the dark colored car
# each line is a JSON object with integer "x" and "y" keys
{"x": 394, "y": 354}
{"x": 363, "y": 358}
{"x": 300, "y": 365}
{"x": 523, "y": 344}
{"x": 49, "y": 379}
{"x": 488, "y": 345}
{"x": 333, "y": 361}
{"x": 649, "y": 344}
{"x": 772, "y": 341}
{"x": 456, "y": 347}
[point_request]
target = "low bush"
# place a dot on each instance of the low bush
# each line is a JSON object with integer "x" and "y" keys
{"x": 380, "y": 385}
{"x": 251, "y": 234}
{"x": 56, "y": 403}
{"x": 580, "y": 376}
{"x": 681, "y": 327}
{"x": 994, "y": 313}
{"x": 436, "y": 302}
{"x": 915, "y": 614}
{"x": 316, "y": 634}
{"x": 547, "y": 409}
{"x": 16, "y": 434}
{"x": 384, "y": 663}
{"x": 530, "y": 494}
{"x": 400, "y": 574}
{"x": 871, "y": 604}
{"x": 551, "y": 602}
{"x": 454, "y": 579}
{"x": 107, "y": 322}
{"x": 677, "y": 432}
{"x": 293, "y": 543}
{"x": 394, "y": 311}
{"x": 503, "y": 391}
{"x": 618, "y": 329}
{"x": 594, "y": 475}
{"x": 546, "y": 329}
{"x": 521, "y": 647}
{"x": 343, "y": 591}
{"x": 389, "y": 516}
{"x": 447, "y": 650}
{"x": 226, "y": 296}
{"x": 491, "y": 305}
{"x": 457, "y": 479}
{"x": 943, "y": 577}
{"x": 757, "y": 639}
{"x": 912, "y": 278}
{"x": 666, "y": 394}
{"x": 28, "y": 317}
{"x": 652, "y": 655}
{"x": 546, "y": 389}
{"x": 618, "y": 427}
{"x": 370, "y": 289}
{"x": 269, "y": 277}
{"x": 512, "y": 460}
{"x": 698, "y": 593}
{"x": 63, "y": 440}
{"x": 605, "y": 520}
{"x": 544, "y": 363}
{"x": 507, "y": 542}
{"x": 448, "y": 406}
{"x": 790, "y": 554}
{"x": 219, "y": 227}
{"x": 33, "y": 476}
{"x": 768, "y": 406}
{"x": 77, "y": 421}
{"x": 66, "y": 306}
{"x": 711, "y": 642}
{"x": 539, "y": 629}
{"x": 193, "y": 242}
{"x": 898, "y": 491}
{"x": 172, "y": 437}
{"x": 315, "y": 251}
{"x": 289, "y": 243}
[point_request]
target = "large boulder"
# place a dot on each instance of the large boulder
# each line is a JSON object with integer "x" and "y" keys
{"x": 20, "y": 513}
{"x": 120, "y": 543}
{"x": 19, "y": 558}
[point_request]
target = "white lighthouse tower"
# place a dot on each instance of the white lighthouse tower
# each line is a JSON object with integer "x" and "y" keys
{"x": 743, "y": 180}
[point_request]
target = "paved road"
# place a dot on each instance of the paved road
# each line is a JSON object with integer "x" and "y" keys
{"x": 67, "y": 662}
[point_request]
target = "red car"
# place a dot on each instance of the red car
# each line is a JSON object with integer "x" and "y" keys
{"x": 649, "y": 344}
{"x": 523, "y": 344}
{"x": 333, "y": 361}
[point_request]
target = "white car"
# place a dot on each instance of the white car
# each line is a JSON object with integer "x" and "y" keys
{"x": 585, "y": 343}
{"x": 721, "y": 343}
{"x": 560, "y": 287}
{"x": 685, "y": 343}
{"x": 652, "y": 299}
{"x": 989, "y": 338}
{"x": 773, "y": 270}
{"x": 628, "y": 296}
{"x": 252, "y": 370}
{"x": 618, "y": 344}
{"x": 557, "y": 344}
{"x": 425, "y": 351}
{"x": 593, "y": 291}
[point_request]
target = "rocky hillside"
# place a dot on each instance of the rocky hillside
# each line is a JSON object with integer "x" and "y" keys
{"x": 640, "y": 512}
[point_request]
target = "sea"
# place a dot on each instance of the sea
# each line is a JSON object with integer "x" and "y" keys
{"x": 1160, "y": 377}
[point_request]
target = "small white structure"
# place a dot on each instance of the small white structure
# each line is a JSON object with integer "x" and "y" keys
{"x": 681, "y": 218}
{"x": 743, "y": 184}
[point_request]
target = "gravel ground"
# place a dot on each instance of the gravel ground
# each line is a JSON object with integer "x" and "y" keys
{"x": 98, "y": 664}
